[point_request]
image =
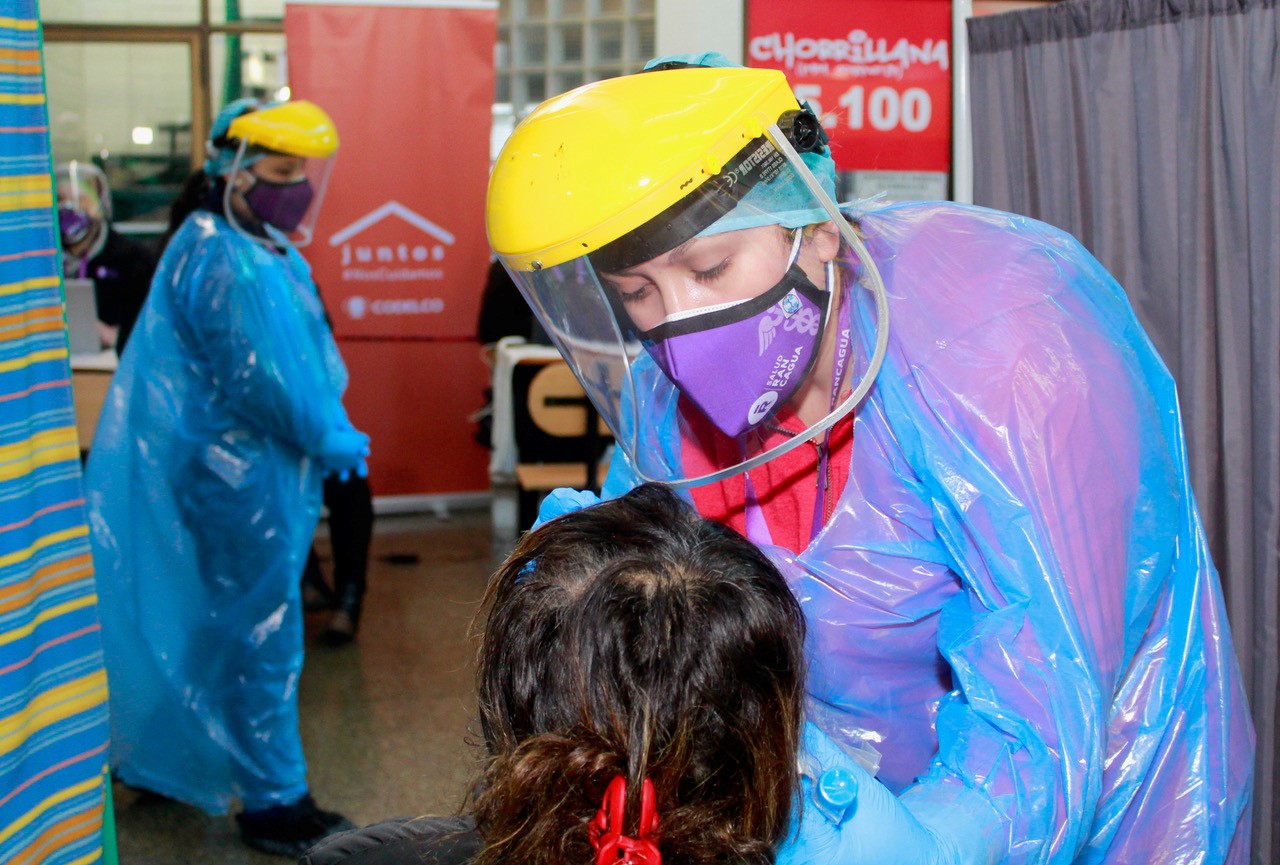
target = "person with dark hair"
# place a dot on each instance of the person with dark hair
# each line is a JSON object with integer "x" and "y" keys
{"x": 503, "y": 311}
{"x": 120, "y": 268}
{"x": 641, "y": 678}
{"x": 198, "y": 192}
{"x": 946, "y": 426}
{"x": 204, "y": 486}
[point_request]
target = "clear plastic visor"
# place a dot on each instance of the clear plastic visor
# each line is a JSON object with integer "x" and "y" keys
{"x": 83, "y": 186}
{"x": 757, "y": 293}
{"x": 285, "y": 195}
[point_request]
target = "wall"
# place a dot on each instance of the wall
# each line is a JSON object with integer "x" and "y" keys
{"x": 706, "y": 25}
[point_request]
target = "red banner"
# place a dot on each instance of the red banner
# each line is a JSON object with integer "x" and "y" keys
{"x": 400, "y": 253}
{"x": 400, "y": 248}
{"x": 877, "y": 71}
{"x": 413, "y": 398}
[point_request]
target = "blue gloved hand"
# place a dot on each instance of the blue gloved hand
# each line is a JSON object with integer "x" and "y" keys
{"x": 564, "y": 501}
{"x": 343, "y": 450}
{"x": 877, "y": 830}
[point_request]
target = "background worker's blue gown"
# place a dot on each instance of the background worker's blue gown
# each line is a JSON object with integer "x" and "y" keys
{"x": 1013, "y": 600}
{"x": 203, "y": 502}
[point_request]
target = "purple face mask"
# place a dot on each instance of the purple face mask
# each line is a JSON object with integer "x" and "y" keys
{"x": 73, "y": 224}
{"x": 740, "y": 364}
{"x": 280, "y": 204}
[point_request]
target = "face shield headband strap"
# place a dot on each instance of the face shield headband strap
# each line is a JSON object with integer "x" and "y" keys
{"x": 273, "y": 237}
{"x": 872, "y": 273}
{"x": 238, "y": 165}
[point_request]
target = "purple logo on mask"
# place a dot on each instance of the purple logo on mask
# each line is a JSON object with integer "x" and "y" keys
{"x": 739, "y": 364}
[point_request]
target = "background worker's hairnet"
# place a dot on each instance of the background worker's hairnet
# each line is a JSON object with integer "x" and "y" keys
{"x": 786, "y": 201}
{"x": 203, "y": 497}
{"x": 220, "y": 151}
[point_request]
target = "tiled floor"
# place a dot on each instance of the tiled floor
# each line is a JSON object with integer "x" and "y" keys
{"x": 387, "y": 722}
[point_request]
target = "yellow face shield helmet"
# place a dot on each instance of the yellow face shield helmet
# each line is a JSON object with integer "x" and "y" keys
{"x": 298, "y": 128}
{"x": 604, "y": 181}
{"x": 288, "y": 207}
{"x": 604, "y": 159}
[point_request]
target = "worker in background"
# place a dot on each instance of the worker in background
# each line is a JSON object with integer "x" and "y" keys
{"x": 92, "y": 248}
{"x": 204, "y": 485}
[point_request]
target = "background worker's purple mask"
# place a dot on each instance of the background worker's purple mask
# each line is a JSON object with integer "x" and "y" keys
{"x": 280, "y": 204}
{"x": 740, "y": 364}
{"x": 73, "y": 224}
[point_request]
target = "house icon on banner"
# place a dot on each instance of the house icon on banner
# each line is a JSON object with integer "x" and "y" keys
{"x": 392, "y": 208}
{"x": 409, "y": 239}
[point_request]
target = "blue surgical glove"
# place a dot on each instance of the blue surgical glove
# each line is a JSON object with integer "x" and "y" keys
{"x": 564, "y": 501}
{"x": 878, "y": 829}
{"x": 343, "y": 450}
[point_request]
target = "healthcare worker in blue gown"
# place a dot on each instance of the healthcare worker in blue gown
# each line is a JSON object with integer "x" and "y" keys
{"x": 948, "y": 429}
{"x": 204, "y": 486}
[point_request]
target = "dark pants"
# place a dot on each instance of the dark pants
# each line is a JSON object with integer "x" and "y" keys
{"x": 350, "y": 505}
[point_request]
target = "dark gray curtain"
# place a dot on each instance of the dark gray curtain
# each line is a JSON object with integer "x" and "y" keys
{"x": 1149, "y": 130}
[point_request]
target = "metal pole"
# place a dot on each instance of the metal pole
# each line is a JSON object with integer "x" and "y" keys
{"x": 961, "y": 119}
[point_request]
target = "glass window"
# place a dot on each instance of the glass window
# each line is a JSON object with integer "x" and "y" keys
{"x": 606, "y": 41}
{"x": 566, "y": 81}
{"x": 642, "y": 47}
{"x": 502, "y": 50}
{"x": 569, "y": 43}
{"x": 535, "y": 87}
{"x": 580, "y": 41}
{"x": 261, "y": 71}
{"x": 126, "y": 107}
{"x": 249, "y": 10}
{"x": 531, "y": 45}
{"x": 120, "y": 11}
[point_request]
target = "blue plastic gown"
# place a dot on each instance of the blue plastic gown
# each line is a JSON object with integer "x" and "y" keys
{"x": 203, "y": 502}
{"x": 1013, "y": 601}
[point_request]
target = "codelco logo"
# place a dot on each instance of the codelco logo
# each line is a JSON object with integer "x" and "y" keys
{"x": 409, "y": 248}
{"x": 358, "y": 307}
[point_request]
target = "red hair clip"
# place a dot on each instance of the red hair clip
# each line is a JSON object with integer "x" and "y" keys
{"x": 614, "y": 848}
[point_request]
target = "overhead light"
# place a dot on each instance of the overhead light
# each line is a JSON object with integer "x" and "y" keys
{"x": 284, "y": 94}
{"x": 254, "y": 70}
{"x": 143, "y": 135}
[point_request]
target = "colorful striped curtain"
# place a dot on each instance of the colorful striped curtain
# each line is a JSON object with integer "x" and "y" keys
{"x": 53, "y": 690}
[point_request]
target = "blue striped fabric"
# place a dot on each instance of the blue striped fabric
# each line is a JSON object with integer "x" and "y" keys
{"x": 53, "y": 719}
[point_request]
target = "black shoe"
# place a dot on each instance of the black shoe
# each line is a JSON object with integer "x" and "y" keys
{"x": 340, "y": 630}
{"x": 290, "y": 830}
{"x": 315, "y": 598}
{"x": 345, "y": 620}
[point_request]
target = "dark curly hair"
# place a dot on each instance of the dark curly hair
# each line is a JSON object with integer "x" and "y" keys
{"x": 635, "y": 638}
